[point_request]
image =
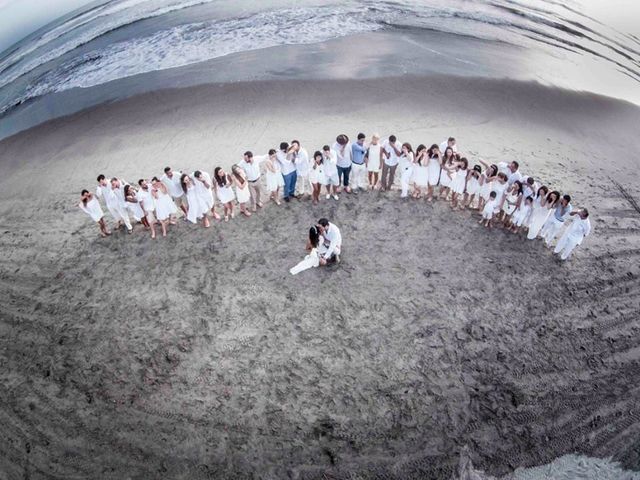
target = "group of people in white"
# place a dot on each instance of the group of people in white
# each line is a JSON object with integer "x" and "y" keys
{"x": 501, "y": 193}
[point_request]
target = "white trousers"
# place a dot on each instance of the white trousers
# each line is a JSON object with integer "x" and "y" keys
{"x": 358, "y": 177}
{"x": 121, "y": 214}
{"x": 550, "y": 230}
{"x": 565, "y": 246}
{"x": 302, "y": 185}
{"x": 405, "y": 181}
{"x": 310, "y": 261}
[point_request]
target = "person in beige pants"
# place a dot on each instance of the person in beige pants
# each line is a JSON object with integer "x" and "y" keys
{"x": 251, "y": 166}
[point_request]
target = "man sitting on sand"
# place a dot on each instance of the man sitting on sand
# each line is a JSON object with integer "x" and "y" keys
{"x": 331, "y": 245}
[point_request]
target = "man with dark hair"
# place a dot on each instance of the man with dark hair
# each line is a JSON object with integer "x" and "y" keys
{"x": 286, "y": 158}
{"x": 391, "y": 150}
{"x": 449, "y": 142}
{"x": 342, "y": 147}
{"x": 511, "y": 170}
{"x": 331, "y": 247}
{"x": 359, "y": 169}
{"x": 552, "y": 226}
{"x": 574, "y": 235}
{"x": 302, "y": 169}
{"x": 251, "y": 167}
{"x": 171, "y": 180}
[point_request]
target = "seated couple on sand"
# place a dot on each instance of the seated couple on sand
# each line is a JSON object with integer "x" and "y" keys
{"x": 324, "y": 246}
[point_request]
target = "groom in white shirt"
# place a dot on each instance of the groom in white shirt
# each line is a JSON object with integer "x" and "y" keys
{"x": 331, "y": 247}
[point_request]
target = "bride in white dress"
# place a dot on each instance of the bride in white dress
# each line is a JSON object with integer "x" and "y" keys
{"x": 311, "y": 260}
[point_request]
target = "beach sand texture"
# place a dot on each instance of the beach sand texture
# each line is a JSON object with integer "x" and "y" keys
{"x": 199, "y": 356}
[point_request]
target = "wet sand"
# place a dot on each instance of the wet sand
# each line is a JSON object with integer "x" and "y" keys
{"x": 199, "y": 356}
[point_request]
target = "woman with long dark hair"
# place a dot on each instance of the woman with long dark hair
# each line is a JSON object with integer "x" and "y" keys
{"x": 539, "y": 213}
{"x": 197, "y": 209}
{"x": 225, "y": 193}
{"x": 434, "y": 165}
{"x": 313, "y": 258}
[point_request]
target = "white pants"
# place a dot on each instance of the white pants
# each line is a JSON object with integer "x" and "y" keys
{"x": 310, "y": 261}
{"x": 302, "y": 185}
{"x": 358, "y": 176}
{"x": 550, "y": 230}
{"x": 121, "y": 214}
{"x": 565, "y": 246}
{"x": 405, "y": 180}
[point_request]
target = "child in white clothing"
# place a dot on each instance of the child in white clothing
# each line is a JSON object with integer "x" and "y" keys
{"x": 489, "y": 209}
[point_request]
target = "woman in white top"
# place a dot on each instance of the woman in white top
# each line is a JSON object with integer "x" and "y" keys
{"x": 489, "y": 172}
{"x": 446, "y": 172}
{"x": 473, "y": 186}
{"x": 374, "y": 160}
{"x": 543, "y": 206}
{"x": 165, "y": 206}
{"x": 224, "y": 191}
{"x": 133, "y": 205}
{"x": 313, "y": 258}
{"x": 459, "y": 182}
{"x": 406, "y": 168}
{"x": 434, "y": 165}
{"x": 242, "y": 189}
{"x": 420, "y": 172}
{"x": 511, "y": 202}
{"x": 274, "y": 177}
{"x": 89, "y": 204}
{"x": 197, "y": 209}
{"x": 316, "y": 177}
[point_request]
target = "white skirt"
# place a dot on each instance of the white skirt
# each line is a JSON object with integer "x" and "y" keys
{"x": 93, "y": 209}
{"x": 458, "y": 182}
{"x": 316, "y": 175}
{"x": 434, "y": 173}
{"x": 225, "y": 194}
{"x": 445, "y": 179}
{"x": 485, "y": 190}
{"x": 196, "y": 208}
{"x": 421, "y": 176}
{"x": 165, "y": 207}
{"x": 473, "y": 186}
{"x": 136, "y": 211}
{"x": 243, "y": 194}
{"x": 538, "y": 219}
{"x": 274, "y": 181}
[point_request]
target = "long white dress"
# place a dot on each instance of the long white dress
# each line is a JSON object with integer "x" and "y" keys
{"x": 205, "y": 194}
{"x": 196, "y": 209}
{"x": 433, "y": 167}
{"x": 242, "y": 193}
{"x": 316, "y": 174}
{"x": 135, "y": 209}
{"x": 538, "y": 218}
{"x": 310, "y": 261}
{"x": 445, "y": 179}
{"x": 485, "y": 188}
{"x": 459, "y": 181}
{"x": 93, "y": 209}
{"x": 522, "y": 215}
{"x": 473, "y": 185}
{"x": 373, "y": 164}
{"x": 421, "y": 173}
{"x": 165, "y": 206}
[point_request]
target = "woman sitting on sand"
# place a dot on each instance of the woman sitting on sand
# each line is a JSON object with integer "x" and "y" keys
{"x": 90, "y": 205}
{"x": 313, "y": 258}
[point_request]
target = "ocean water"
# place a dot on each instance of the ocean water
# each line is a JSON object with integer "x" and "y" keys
{"x": 561, "y": 43}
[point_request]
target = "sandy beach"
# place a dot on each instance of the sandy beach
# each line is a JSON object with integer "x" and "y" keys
{"x": 199, "y": 356}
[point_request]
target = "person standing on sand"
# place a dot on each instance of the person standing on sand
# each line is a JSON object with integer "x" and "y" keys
{"x": 420, "y": 177}
{"x": 317, "y": 177}
{"x": 286, "y": 159}
{"x": 303, "y": 186}
{"x": 555, "y": 222}
{"x": 251, "y": 167}
{"x": 358, "y": 167}
{"x": 406, "y": 162}
{"x": 204, "y": 190}
{"x": 374, "y": 160}
{"x": 331, "y": 248}
{"x": 89, "y": 204}
{"x": 489, "y": 209}
{"x": 197, "y": 210}
{"x": 103, "y": 192}
{"x": 242, "y": 189}
{"x": 274, "y": 177}
{"x": 574, "y": 235}
{"x": 117, "y": 200}
{"x": 171, "y": 180}
{"x": 434, "y": 165}
{"x": 392, "y": 150}
{"x": 165, "y": 206}
{"x": 511, "y": 170}
{"x": 224, "y": 191}
{"x": 330, "y": 171}
{"x": 342, "y": 147}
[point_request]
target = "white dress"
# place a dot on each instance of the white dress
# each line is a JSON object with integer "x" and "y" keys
{"x": 310, "y": 261}
{"x": 93, "y": 209}
{"x": 485, "y": 189}
{"x": 373, "y": 164}
{"x": 459, "y": 181}
{"x": 196, "y": 209}
{"x": 225, "y": 193}
{"x": 242, "y": 193}
{"x": 509, "y": 206}
{"x": 433, "y": 167}
{"x": 445, "y": 179}
{"x": 165, "y": 206}
{"x": 274, "y": 179}
{"x": 473, "y": 186}
{"x": 316, "y": 174}
{"x": 421, "y": 174}
{"x": 135, "y": 209}
{"x": 204, "y": 194}
{"x": 522, "y": 215}
{"x": 538, "y": 218}
{"x": 499, "y": 188}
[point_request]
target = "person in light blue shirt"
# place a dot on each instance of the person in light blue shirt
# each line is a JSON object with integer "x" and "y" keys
{"x": 359, "y": 169}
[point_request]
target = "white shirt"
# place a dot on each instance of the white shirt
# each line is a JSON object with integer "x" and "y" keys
{"x": 147, "y": 202}
{"x": 343, "y": 154}
{"x": 102, "y": 191}
{"x": 579, "y": 229}
{"x": 511, "y": 176}
{"x": 329, "y": 162}
{"x": 252, "y": 169}
{"x": 173, "y": 184}
{"x": 393, "y": 158}
{"x": 445, "y": 144}
{"x": 302, "y": 162}
{"x": 333, "y": 236}
{"x": 490, "y": 207}
{"x": 287, "y": 166}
